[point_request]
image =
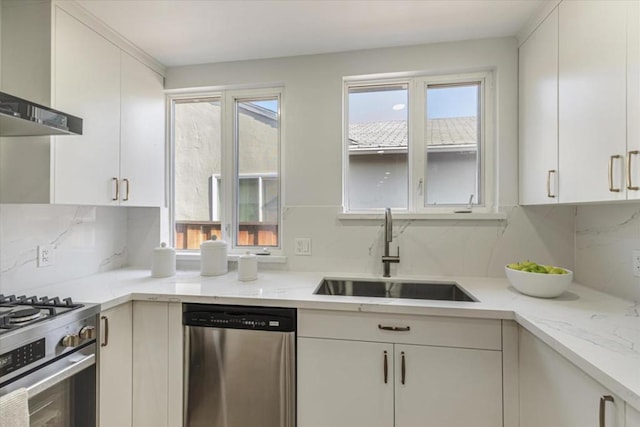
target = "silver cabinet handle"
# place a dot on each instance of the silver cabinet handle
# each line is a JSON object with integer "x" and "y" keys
{"x": 395, "y": 328}
{"x": 611, "y": 187}
{"x": 630, "y": 185}
{"x": 385, "y": 368}
{"x": 126, "y": 194}
{"x": 117, "y": 182}
{"x": 403, "y": 369}
{"x": 549, "y": 183}
{"x": 105, "y": 340}
{"x": 603, "y": 408}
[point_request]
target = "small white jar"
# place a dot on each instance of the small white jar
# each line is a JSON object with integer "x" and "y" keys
{"x": 247, "y": 267}
{"x": 163, "y": 263}
{"x": 213, "y": 257}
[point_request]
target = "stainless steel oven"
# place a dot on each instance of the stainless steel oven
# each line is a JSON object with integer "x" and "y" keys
{"x": 50, "y": 350}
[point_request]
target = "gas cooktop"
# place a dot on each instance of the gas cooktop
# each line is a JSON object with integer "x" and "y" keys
{"x": 18, "y": 312}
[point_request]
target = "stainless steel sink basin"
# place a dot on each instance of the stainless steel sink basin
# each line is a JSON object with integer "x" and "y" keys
{"x": 446, "y": 291}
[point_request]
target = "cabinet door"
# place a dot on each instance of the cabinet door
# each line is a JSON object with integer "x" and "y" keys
{"x": 150, "y": 364}
{"x": 553, "y": 392}
{"x": 115, "y": 366}
{"x": 592, "y": 100}
{"x": 447, "y": 387}
{"x": 86, "y": 84}
{"x": 538, "y": 85}
{"x": 633, "y": 100}
{"x": 342, "y": 383}
{"x": 142, "y": 143}
{"x": 632, "y": 417}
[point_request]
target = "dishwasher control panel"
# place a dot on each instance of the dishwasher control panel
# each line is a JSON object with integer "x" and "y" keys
{"x": 240, "y": 317}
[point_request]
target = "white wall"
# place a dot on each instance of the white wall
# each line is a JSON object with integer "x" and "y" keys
{"x": 313, "y": 165}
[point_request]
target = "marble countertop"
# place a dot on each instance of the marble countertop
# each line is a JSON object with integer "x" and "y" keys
{"x": 599, "y": 333}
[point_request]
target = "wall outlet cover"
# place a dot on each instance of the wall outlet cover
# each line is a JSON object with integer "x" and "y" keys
{"x": 636, "y": 262}
{"x": 303, "y": 246}
{"x": 45, "y": 255}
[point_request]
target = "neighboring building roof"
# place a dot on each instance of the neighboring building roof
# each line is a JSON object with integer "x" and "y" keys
{"x": 393, "y": 133}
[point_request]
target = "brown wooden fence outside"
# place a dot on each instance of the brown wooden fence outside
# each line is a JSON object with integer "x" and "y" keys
{"x": 189, "y": 234}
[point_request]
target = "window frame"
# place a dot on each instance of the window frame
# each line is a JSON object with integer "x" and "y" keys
{"x": 417, "y": 164}
{"x": 229, "y": 188}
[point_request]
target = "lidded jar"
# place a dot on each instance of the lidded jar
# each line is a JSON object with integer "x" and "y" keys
{"x": 163, "y": 263}
{"x": 213, "y": 257}
{"x": 247, "y": 267}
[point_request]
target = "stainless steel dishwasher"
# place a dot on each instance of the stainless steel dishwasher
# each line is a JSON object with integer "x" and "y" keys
{"x": 239, "y": 366}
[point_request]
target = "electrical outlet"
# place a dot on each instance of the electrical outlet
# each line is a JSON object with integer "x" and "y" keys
{"x": 45, "y": 255}
{"x": 303, "y": 246}
{"x": 636, "y": 263}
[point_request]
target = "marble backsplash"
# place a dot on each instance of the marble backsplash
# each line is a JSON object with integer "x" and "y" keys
{"x": 606, "y": 235}
{"x": 594, "y": 241}
{"x": 85, "y": 240}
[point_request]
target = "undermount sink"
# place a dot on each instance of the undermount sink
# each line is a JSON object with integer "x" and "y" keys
{"x": 432, "y": 290}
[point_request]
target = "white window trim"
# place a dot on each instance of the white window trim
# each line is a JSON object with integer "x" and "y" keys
{"x": 417, "y": 168}
{"x": 229, "y": 188}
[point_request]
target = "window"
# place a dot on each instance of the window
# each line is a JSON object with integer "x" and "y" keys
{"x": 226, "y": 172}
{"x": 418, "y": 144}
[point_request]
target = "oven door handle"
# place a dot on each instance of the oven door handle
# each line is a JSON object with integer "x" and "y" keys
{"x": 61, "y": 375}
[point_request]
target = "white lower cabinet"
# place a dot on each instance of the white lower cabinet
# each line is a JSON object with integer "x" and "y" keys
{"x": 632, "y": 417}
{"x": 114, "y": 366}
{"x": 447, "y": 387}
{"x": 363, "y": 375}
{"x": 157, "y": 364}
{"x": 555, "y": 393}
{"x": 341, "y": 383}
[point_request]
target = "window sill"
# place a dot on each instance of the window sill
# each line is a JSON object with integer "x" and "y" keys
{"x": 262, "y": 259}
{"x": 472, "y": 216}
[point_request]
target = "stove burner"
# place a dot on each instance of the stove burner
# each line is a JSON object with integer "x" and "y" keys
{"x": 25, "y": 315}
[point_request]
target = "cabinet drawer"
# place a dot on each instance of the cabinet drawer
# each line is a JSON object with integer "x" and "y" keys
{"x": 425, "y": 330}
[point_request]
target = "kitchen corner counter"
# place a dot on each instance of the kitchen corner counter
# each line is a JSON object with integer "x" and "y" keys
{"x": 597, "y": 332}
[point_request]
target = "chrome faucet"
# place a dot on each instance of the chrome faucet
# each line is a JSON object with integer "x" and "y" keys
{"x": 388, "y": 238}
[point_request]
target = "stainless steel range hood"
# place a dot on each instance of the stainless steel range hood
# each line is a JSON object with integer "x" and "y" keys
{"x": 19, "y": 117}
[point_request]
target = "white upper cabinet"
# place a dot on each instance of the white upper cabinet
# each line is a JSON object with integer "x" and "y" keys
{"x": 581, "y": 143}
{"x": 142, "y": 135}
{"x": 633, "y": 102}
{"x": 538, "y": 117}
{"x": 56, "y": 54}
{"x": 592, "y": 100}
{"x": 87, "y": 82}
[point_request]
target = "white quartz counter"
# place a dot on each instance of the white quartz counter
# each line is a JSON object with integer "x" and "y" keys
{"x": 597, "y": 332}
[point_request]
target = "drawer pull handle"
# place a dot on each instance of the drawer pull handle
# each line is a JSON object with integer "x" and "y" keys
{"x": 395, "y": 328}
{"x": 630, "y": 185}
{"x": 611, "y": 187}
{"x": 603, "y": 407}
{"x": 403, "y": 369}
{"x": 386, "y": 368}
{"x": 549, "y": 183}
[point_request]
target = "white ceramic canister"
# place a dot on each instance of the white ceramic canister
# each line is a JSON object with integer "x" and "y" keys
{"x": 247, "y": 267}
{"x": 163, "y": 263}
{"x": 213, "y": 257}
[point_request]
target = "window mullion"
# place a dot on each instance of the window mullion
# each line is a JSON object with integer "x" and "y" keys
{"x": 417, "y": 147}
{"x": 229, "y": 167}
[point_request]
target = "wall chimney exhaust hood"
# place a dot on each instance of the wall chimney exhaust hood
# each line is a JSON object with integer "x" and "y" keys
{"x": 19, "y": 117}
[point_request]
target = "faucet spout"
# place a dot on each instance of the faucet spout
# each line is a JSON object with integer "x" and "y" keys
{"x": 388, "y": 237}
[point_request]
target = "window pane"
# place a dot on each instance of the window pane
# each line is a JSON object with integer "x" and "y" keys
{"x": 453, "y": 144}
{"x": 258, "y": 144}
{"x": 378, "y": 142}
{"x": 197, "y": 203}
